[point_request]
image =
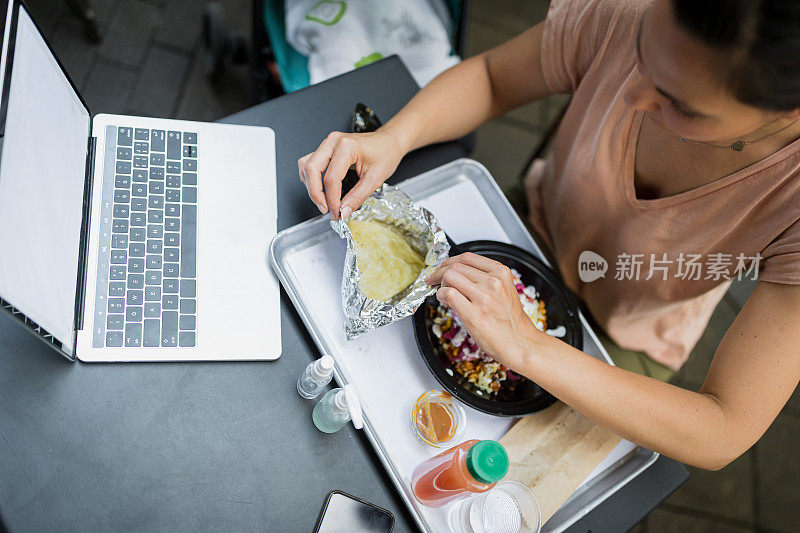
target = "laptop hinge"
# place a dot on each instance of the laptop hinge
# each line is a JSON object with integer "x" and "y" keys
{"x": 40, "y": 333}
{"x": 84, "y": 243}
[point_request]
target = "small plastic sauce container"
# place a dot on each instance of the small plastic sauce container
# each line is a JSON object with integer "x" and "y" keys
{"x": 510, "y": 507}
{"x": 437, "y": 419}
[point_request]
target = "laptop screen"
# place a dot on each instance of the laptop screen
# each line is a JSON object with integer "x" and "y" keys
{"x": 42, "y": 172}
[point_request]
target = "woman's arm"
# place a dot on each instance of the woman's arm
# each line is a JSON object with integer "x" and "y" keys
{"x": 754, "y": 371}
{"x": 479, "y": 89}
{"x": 453, "y": 104}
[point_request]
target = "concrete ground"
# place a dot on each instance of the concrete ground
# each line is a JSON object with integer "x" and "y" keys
{"x": 148, "y": 64}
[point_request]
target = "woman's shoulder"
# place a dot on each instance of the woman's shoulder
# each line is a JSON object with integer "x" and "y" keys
{"x": 587, "y": 33}
{"x": 597, "y": 19}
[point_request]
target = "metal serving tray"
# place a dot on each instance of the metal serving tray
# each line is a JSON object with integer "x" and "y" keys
{"x": 385, "y": 365}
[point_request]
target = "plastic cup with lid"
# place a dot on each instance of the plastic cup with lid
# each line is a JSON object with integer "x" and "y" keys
{"x": 510, "y": 507}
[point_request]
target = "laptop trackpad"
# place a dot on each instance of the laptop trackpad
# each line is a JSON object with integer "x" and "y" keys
{"x": 238, "y": 310}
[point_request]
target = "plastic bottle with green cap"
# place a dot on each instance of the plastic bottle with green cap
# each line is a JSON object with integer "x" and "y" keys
{"x": 473, "y": 466}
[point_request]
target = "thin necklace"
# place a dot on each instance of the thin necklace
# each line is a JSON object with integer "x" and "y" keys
{"x": 738, "y": 146}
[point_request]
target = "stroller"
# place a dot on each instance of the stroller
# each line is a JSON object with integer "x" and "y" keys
{"x": 276, "y": 68}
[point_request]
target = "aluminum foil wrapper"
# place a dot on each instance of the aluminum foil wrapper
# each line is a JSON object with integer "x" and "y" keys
{"x": 391, "y": 206}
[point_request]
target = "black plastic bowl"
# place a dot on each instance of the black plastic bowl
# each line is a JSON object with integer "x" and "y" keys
{"x": 562, "y": 310}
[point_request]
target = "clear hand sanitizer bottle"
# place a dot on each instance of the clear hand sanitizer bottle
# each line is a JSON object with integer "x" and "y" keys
{"x": 316, "y": 375}
{"x": 336, "y": 409}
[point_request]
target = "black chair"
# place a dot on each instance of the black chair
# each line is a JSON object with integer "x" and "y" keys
{"x": 83, "y": 9}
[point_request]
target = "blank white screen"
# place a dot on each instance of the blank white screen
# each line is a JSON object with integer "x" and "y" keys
{"x": 41, "y": 186}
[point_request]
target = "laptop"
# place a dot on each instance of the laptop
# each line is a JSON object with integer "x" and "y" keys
{"x": 129, "y": 238}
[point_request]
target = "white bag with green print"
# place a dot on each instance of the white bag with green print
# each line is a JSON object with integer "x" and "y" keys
{"x": 340, "y": 35}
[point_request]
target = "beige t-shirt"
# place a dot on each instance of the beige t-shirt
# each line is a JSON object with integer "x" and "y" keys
{"x": 582, "y": 198}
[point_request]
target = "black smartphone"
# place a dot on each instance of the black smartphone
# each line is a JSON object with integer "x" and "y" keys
{"x": 343, "y": 513}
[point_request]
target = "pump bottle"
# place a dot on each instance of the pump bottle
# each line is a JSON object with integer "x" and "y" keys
{"x": 316, "y": 375}
{"x": 336, "y": 409}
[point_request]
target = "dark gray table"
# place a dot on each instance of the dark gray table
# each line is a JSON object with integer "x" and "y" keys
{"x": 217, "y": 446}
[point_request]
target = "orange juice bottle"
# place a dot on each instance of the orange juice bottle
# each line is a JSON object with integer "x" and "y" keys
{"x": 471, "y": 467}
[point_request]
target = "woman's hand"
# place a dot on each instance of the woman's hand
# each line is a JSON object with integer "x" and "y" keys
{"x": 374, "y": 156}
{"x": 483, "y": 294}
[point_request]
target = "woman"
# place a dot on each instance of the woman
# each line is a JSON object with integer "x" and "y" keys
{"x": 680, "y": 142}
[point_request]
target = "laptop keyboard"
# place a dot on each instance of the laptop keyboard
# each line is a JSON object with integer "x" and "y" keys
{"x": 147, "y": 274}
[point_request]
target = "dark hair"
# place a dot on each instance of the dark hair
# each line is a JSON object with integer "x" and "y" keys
{"x": 759, "y": 41}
